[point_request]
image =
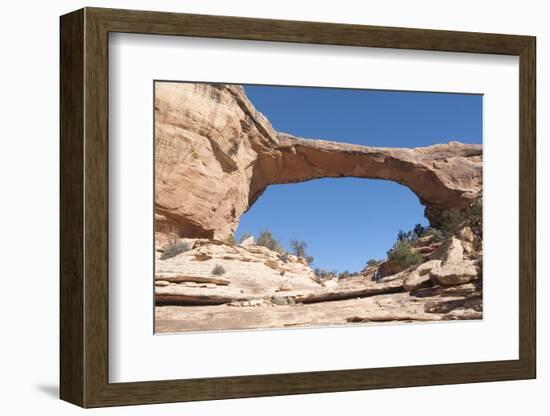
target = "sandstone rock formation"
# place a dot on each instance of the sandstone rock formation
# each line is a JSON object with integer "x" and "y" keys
{"x": 251, "y": 272}
{"x": 261, "y": 288}
{"x": 215, "y": 155}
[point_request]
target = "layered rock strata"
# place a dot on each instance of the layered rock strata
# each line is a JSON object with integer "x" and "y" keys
{"x": 260, "y": 288}
{"x": 215, "y": 154}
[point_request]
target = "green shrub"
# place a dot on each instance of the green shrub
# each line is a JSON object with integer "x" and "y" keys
{"x": 412, "y": 235}
{"x": 437, "y": 236}
{"x": 284, "y": 257}
{"x": 266, "y": 239}
{"x": 298, "y": 248}
{"x": 403, "y": 254}
{"x": 230, "y": 240}
{"x": 373, "y": 262}
{"x": 447, "y": 220}
{"x": 402, "y": 235}
{"x": 218, "y": 270}
{"x": 419, "y": 230}
{"x": 344, "y": 274}
{"x": 323, "y": 274}
{"x": 475, "y": 217}
{"x": 173, "y": 250}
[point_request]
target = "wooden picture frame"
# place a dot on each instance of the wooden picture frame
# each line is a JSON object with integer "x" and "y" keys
{"x": 84, "y": 207}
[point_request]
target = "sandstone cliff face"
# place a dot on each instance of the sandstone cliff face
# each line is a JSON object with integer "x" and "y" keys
{"x": 215, "y": 155}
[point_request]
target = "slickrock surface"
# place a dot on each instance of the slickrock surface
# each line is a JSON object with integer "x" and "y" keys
{"x": 262, "y": 289}
{"x": 215, "y": 155}
{"x": 251, "y": 273}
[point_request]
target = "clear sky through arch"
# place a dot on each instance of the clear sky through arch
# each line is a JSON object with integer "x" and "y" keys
{"x": 346, "y": 221}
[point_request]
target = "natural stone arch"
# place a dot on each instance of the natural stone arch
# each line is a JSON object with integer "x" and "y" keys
{"x": 215, "y": 155}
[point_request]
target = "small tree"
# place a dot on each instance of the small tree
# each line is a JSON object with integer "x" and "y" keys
{"x": 451, "y": 218}
{"x": 403, "y": 254}
{"x": 323, "y": 274}
{"x": 266, "y": 239}
{"x": 447, "y": 220}
{"x": 298, "y": 248}
{"x": 407, "y": 235}
{"x": 419, "y": 230}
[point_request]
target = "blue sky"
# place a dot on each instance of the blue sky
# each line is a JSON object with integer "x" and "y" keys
{"x": 346, "y": 221}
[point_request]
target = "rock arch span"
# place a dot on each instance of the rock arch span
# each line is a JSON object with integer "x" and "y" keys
{"x": 215, "y": 155}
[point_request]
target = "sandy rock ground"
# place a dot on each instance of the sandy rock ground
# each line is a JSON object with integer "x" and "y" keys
{"x": 260, "y": 288}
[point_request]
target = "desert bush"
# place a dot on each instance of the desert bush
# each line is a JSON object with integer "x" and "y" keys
{"x": 218, "y": 270}
{"x": 402, "y": 235}
{"x": 283, "y": 257}
{"x": 447, "y": 220}
{"x": 323, "y": 274}
{"x": 173, "y": 250}
{"x": 437, "y": 236}
{"x": 267, "y": 240}
{"x": 418, "y": 231}
{"x": 230, "y": 240}
{"x": 298, "y": 248}
{"x": 373, "y": 262}
{"x": 403, "y": 254}
{"x": 451, "y": 218}
{"x": 344, "y": 274}
{"x": 475, "y": 217}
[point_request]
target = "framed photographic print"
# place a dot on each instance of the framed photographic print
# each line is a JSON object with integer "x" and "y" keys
{"x": 256, "y": 207}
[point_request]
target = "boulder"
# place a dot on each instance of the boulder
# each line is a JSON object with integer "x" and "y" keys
{"x": 466, "y": 234}
{"x": 466, "y": 289}
{"x": 455, "y": 273}
{"x": 453, "y": 251}
{"x": 449, "y": 251}
{"x": 247, "y": 241}
{"x": 420, "y": 276}
{"x": 470, "y": 242}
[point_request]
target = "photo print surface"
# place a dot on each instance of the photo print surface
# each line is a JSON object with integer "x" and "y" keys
{"x": 285, "y": 207}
